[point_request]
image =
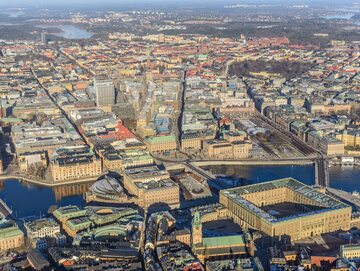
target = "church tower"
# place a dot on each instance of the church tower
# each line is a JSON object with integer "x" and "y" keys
{"x": 196, "y": 229}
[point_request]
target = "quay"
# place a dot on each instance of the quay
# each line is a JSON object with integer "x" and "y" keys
{"x": 321, "y": 169}
{"x": 345, "y": 196}
{"x": 45, "y": 182}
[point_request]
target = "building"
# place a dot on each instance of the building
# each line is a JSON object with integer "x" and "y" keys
{"x": 44, "y": 231}
{"x": 72, "y": 226}
{"x": 161, "y": 143}
{"x": 44, "y": 38}
{"x": 40, "y": 228}
{"x": 74, "y": 162}
{"x": 107, "y": 189}
{"x": 331, "y": 146}
{"x": 104, "y": 92}
{"x": 100, "y": 223}
{"x": 221, "y": 149}
{"x": 235, "y": 136}
{"x": 191, "y": 141}
{"x": 206, "y": 248}
{"x": 65, "y": 213}
{"x": 11, "y": 237}
{"x": 350, "y": 251}
{"x": 151, "y": 185}
{"x": 309, "y": 212}
{"x": 350, "y": 137}
{"x": 123, "y": 154}
{"x": 252, "y": 264}
{"x": 36, "y": 260}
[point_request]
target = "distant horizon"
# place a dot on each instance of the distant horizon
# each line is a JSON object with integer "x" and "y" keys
{"x": 84, "y": 4}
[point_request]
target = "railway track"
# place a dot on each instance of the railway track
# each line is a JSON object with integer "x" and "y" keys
{"x": 285, "y": 136}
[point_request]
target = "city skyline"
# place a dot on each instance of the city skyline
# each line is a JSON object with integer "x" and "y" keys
{"x": 180, "y": 135}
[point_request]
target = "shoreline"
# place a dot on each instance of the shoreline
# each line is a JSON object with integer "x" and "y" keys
{"x": 252, "y": 163}
{"x": 44, "y": 183}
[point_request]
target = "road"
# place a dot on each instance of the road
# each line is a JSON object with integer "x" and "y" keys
{"x": 345, "y": 196}
{"x": 57, "y": 105}
{"x": 178, "y": 130}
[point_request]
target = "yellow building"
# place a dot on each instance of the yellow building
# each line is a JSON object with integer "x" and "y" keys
{"x": 327, "y": 144}
{"x": 75, "y": 162}
{"x": 331, "y": 146}
{"x": 112, "y": 162}
{"x": 235, "y": 136}
{"x": 221, "y": 149}
{"x": 161, "y": 143}
{"x": 350, "y": 138}
{"x": 151, "y": 185}
{"x": 191, "y": 142}
{"x": 286, "y": 207}
{"x": 11, "y": 237}
{"x": 73, "y": 226}
{"x": 350, "y": 251}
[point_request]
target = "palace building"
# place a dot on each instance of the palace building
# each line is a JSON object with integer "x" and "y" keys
{"x": 286, "y": 207}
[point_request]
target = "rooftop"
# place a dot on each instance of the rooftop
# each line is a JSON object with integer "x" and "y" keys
{"x": 327, "y": 202}
{"x": 10, "y": 231}
{"x": 223, "y": 241}
{"x": 39, "y": 224}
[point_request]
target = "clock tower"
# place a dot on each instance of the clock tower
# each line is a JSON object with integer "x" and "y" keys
{"x": 196, "y": 229}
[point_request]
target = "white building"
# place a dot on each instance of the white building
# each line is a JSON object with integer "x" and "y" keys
{"x": 41, "y": 228}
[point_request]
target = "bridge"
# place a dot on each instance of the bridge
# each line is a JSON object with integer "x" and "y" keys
{"x": 4, "y": 209}
{"x": 203, "y": 173}
{"x": 322, "y": 172}
{"x": 321, "y": 166}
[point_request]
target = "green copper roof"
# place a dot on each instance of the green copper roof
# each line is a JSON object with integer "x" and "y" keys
{"x": 9, "y": 232}
{"x": 223, "y": 241}
{"x": 160, "y": 139}
{"x": 11, "y": 120}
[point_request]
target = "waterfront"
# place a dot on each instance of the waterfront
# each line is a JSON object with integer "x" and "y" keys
{"x": 339, "y": 16}
{"x": 69, "y": 31}
{"x": 32, "y": 200}
{"x": 342, "y": 16}
{"x": 232, "y": 176}
{"x": 345, "y": 178}
{"x": 28, "y": 199}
